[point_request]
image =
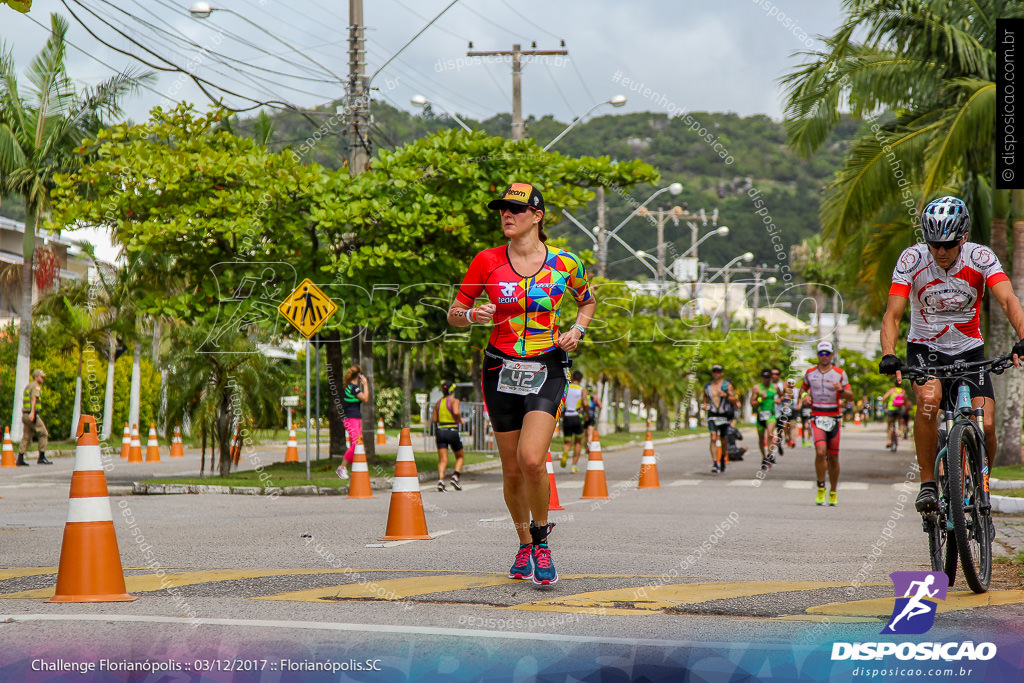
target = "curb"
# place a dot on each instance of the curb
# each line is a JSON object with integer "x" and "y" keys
{"x": 1007, "y": 504}
{"x": 1005, "y": 484}
{"x": 378, "y": 484}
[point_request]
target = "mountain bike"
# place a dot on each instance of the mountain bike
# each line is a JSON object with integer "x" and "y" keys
{"x": 961, "y": 474}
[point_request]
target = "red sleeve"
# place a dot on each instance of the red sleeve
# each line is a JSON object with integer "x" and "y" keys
{"x": 899, "y": 289}
{"x": 996, "y": 278}
{"x": 473, "y": 284}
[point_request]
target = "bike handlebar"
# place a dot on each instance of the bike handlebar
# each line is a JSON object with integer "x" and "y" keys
{"x": 995, "y": 365}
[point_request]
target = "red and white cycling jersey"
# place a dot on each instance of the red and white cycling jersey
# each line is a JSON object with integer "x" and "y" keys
{"x": 824, "y": 388}
{"x": 945, "y": 305}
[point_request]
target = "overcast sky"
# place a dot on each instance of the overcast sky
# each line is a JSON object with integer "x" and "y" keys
{"x": 698, "y": 55}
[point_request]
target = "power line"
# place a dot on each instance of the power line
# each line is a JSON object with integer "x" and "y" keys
{"x": 558, "y": 88}
{"x": 504, "y": 29}
{"x": 420, "y": 16}
{"x": 517, "y": 12}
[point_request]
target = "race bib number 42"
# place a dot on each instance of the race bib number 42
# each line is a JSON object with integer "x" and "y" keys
{"x": 521, "y": 378}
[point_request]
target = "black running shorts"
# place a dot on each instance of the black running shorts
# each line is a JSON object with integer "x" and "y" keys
{"x": 448, "y": 437}
{"x": 572, "y": 425}
{"x": 921, "y": 356}
{"x": 508, "y": 410}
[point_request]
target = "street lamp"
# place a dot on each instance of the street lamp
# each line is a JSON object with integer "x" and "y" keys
{"x": 723, "y": 231}
{"x": 617, "y": 101}
{"x": 203, "y": 10}
{"x": 421, "y": 101}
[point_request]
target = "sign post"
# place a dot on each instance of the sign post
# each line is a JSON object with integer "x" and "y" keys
{"x": 307, "y": 309}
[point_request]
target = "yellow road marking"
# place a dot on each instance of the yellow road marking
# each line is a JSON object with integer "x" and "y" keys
{"x": 395, "y": 589}
{"x": 661, "y": 596}
{"x": 145, "y": 583}
{"x": 882, "y": 607}
{"x": 18, "y": 573}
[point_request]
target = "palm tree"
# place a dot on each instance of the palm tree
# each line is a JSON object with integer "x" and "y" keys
{"x": 922, "y": 79}
{"x": 69, "y": 308}
{"x": 39, "y": 136}
{"x": 236, "y": 386}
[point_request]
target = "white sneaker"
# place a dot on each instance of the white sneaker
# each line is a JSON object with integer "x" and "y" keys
{"x": 342, "y": 471}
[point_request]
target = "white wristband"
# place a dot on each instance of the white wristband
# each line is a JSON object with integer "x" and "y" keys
{"x": 470, "y": 316}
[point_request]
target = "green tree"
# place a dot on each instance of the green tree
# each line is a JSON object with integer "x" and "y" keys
{"x": 39, "y": 133}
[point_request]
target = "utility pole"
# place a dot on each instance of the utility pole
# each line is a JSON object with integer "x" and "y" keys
{"x": 358, "y": 101}
{"x": 517, "y": 53}
{"x": 659, "y": 215}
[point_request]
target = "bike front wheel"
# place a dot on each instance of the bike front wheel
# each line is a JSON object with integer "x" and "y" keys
{"x": 970, "y": 525}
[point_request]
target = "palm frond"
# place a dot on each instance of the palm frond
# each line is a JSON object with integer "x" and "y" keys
{"x": 966, "y": 130}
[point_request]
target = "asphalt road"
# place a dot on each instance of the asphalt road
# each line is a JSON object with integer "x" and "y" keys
{"x": 703, "y": 569}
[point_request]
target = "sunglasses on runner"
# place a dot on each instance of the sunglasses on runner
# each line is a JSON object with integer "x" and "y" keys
{"x": 824, "y": 353}
{"x": 515, "y": 209}
{"x": 948, "y": 246}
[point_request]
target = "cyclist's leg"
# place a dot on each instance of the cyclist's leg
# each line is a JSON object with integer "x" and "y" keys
{"x": 929, "y": 399}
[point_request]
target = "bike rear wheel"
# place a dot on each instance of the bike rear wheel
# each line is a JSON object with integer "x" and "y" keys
{"x": 970, "y": 526}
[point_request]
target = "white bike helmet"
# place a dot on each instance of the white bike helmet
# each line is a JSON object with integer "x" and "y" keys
{"x": 945, "y": 220}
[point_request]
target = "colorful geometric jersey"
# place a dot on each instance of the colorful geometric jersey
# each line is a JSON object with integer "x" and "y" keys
{"x": 526, "y": 319}
{"x": 945, "y": 305}
{"x": 824, "y": 388}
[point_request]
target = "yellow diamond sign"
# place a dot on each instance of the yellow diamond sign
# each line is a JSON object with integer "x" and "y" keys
{"x": 307, "y": 308}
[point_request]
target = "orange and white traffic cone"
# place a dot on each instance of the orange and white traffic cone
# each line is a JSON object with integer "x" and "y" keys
{"x": 406, "y": 521}
{"x": 800, "y": 429}
{"x": 856, "y": 419}
{"x": 126, "y": 442}
{"x": 595, "y": 485}
{"x": 382, "y": 437}
{"x": 236, "y": 447}
{"x": 553, "y": 503}
{"x": 8, "y": 453}
{"x": 90, "y": 564}
{"x": 648, "y": 467}
{"x": 152, "y": 447}
{"x": 177, "y": 448}
{"x": 135, "y": 449}
{"x": 359, "y": 484}
{"x": 291, "y": 453}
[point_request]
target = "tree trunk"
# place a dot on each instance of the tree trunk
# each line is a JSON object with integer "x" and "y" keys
{"x": 663, "y": 421}
{"x": 21, "y": 376}
{"x": 406, "y": 419}
{"x": 627, "y": 399}
{"x": 369, "y": 408}
{"x": 225, "y": 421}
{"x": 1000, "y": 338}
{"x": 108, "y": 394}
{"x": 1008, "y": 450}
{"x": 202, "y": 455}
{"x": 76, "y": 413}
{"x": 335, "y": 412}
{"x": 133, "y": 396}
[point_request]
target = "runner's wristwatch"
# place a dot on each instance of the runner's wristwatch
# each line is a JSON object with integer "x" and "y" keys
{"x": 583, "y": 330}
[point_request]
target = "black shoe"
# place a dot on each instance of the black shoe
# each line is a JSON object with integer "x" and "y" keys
{"x": 440, "y": 486}
{"x": 21, "y": 460}
{"x": 927, "y": 500}
{"x": 42, "y": 460}
{"x": 454, "y": 481}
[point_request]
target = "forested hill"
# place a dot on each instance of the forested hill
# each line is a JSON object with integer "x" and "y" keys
{"x": 688, "y": 149}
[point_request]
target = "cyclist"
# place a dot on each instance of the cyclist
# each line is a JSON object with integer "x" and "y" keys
{"x": 448, "y": 418}
{"x": 525, "y": 371}
{"x": 572, "y": 419}
{"x": 763, "y": 398}
{"x": 944, "y": 280}
{"x": 827, "y": 386}
{"x": 894, "y": 399}
{"x": 805, "y": 418}
{"x": 720, "y": 402}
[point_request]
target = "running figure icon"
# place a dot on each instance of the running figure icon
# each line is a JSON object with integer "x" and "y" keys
{"x": 916, "y": 605}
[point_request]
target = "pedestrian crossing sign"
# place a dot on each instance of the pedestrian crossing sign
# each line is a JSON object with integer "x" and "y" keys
{"x": 307, "y": 308}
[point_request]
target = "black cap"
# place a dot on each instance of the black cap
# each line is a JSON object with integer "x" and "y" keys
{"x": 519, "y": 194}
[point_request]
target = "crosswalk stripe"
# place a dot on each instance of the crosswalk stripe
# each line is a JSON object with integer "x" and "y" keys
{"x": 395, "y": 589}
{"x": 685, "y": 482}
{"x": 797, "y": 484}
{"x": 958, "y": 600}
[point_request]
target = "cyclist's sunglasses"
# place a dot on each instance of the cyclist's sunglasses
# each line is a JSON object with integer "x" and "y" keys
{"x": 948, "y": 246}
{"x": 515, "y": 209}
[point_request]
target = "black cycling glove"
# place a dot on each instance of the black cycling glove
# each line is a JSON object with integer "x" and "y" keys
{"x": 1018, "y": 348}
{"x": 890, "y": 364}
